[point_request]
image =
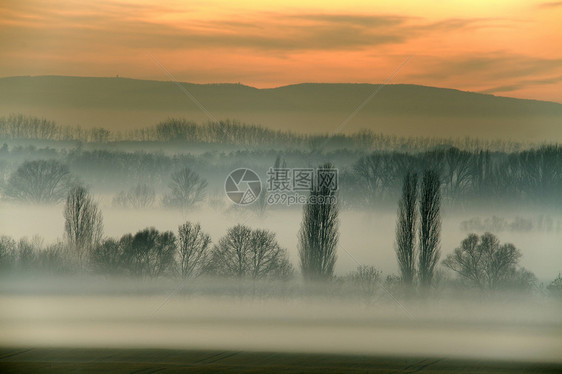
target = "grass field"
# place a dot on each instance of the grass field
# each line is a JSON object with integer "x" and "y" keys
{"x": 68, "y": 360}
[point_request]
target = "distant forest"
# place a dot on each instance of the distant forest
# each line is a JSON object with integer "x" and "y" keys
{"x": 232, "y": 132}
{"x": 371, "y": 166}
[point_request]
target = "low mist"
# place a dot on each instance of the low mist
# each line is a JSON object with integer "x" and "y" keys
{"x": 351, "y": 245}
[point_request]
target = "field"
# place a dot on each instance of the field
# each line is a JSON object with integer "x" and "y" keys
{"x": 153, "y": 327}
{"x": 50, "y": 360}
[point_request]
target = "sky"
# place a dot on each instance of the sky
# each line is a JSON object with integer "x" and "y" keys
{"x": 504, "y": 47}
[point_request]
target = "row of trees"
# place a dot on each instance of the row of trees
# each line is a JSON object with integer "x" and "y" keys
{"x": 48, "y": 181}
{"x": 27, "y": 255}
{"x": 479, "y": 261}
{"x": 255, "y": 254}
{"x": 531, "y": 175}
{"x": 186, "y": 190}
{"x": 242, "y": 253}
{"x": 18, "y": 126}
{"x": 423, "y": 220}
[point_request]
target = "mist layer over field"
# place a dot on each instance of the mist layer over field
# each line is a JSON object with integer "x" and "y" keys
{"x": 133, "y": 278}
{"x": 113, "y": 314}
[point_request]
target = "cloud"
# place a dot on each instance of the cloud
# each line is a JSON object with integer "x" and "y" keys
{"x": 492, "y": 66}
{"x": 281, "y": 33}
{"x": 550, "y": 4}
{"x": 450, "y": 24}
{"x": 523, "y": 84}
{"x": 125, "y": 26}
{"x": 353, "y": 20}
{"x": 276, "y": 47}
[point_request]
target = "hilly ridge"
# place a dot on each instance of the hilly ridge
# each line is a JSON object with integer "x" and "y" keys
{"x": 401, "y": 109}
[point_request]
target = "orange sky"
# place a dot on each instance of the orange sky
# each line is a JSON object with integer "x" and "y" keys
{"x": 504, "y": 47}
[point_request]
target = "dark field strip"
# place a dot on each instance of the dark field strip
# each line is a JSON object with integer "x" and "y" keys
{"x": 78, "y": 360}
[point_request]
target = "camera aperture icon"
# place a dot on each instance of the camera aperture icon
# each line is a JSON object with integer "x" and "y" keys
{"x": 243, "y": 186}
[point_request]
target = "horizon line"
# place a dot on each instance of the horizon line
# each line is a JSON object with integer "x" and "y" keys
{"x": 276, "y": 87}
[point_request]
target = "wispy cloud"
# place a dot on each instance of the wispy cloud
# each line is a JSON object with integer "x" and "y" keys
{"x": 125, "y": 26}
{"x": 523, "y": 84}
{"x": 551, "y": 4}
{"x": 492, "y": 66}
{"x": 466, "y": 50}
{"x": 282, "y": 32}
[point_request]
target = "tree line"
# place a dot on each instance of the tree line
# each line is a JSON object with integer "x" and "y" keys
{"x": 533, "y": 176}
{"x": 481, "y": 262}
{"x": 48, "y": 181}
{"x": 233, "y": 132}
{"x": 242, "y": 253}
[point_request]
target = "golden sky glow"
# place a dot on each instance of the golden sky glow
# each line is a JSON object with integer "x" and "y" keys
{"x": 504, "y": 47}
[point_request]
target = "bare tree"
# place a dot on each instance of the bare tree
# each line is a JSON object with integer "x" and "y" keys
{"x": 106, "y": 257}
{"x": 83, "y": 222}
{"x": 267, "y": 258}
{"x": 458, "y": 171}
{"x": 8, "y": 253}
{"x": 140, "y": 196}
{"x": 41, "y": 181}
{"x": 484, "y": 263}
{"x": 193, "y": 248}
{"x": 318, "y": 236}
{"x": 555, "y": 287}
{"x": 27, "y": 252}
{"x": 366, "y": 278}
{"x": 187, "y": 189}
{"x": 246, "y": 253}
{"x": 149, "y": 253}
{"x": 406, "y": 228}
{"x": 174, "y": 129}
{"x": 430, "y": 226}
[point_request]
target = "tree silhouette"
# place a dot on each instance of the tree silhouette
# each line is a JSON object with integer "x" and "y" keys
{"x": 430, "y": 226}
{"x": 366, "y": 278}
{"x": 318, "y": 236}
{"x": 83, "y": 222}
{"x": 140, "y": 196}
{"x": 406, "y": 228}
{"x": 247, "y": 253}
{"x": 41, "y": 181}
{"x": 107, "y": 257}
{"x": 7, "y": 253}
{"x": 193, "y": 248}
{"x": 187, "y": 189}
{"x": 555, "y": 287}
{"x": 484, "y": 263}
{"x": 149, "y": 253}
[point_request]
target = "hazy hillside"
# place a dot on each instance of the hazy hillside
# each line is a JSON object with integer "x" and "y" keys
{"x": 121, "y": 103}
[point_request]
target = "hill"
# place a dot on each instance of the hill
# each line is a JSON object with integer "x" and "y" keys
{"x": 122, "y": 103}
